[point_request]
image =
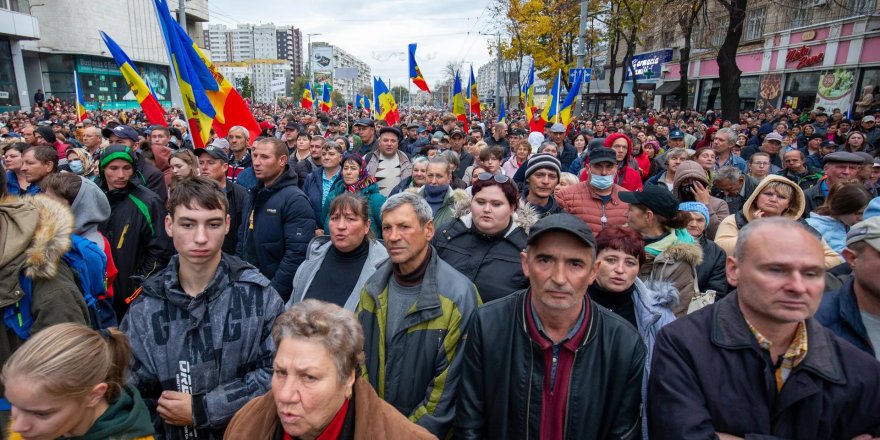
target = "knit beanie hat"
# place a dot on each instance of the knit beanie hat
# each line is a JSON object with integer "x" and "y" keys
{"x": 542, "y": 161}
{"x": 114, "y": 152}
{"x": 695, "y": 207}
{"x": 46, "y": 133}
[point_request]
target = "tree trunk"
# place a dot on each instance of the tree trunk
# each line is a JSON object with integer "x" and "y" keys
{"x": 728, "y": 72}
{"x": 683, "y": 65}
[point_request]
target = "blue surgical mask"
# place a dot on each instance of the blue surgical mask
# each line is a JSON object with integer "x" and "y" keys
{"x": 76, "y": 167}
{"x": 601, "y": 182}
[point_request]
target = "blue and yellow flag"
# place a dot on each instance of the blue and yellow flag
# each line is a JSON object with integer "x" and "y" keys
{"x": 568, "y": 105}
{"x": 502, "y": 114}
{"x": 357, "y": 102}
{"x": 138, "y": 85}
{"x": 193, "y": 76}
{"x": 458, "y": 100}
{"x": 527, "y": 96}
{"x": 551, "y": 108}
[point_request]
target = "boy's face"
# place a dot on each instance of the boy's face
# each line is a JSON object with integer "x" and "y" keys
{"x": 197, "y": 233}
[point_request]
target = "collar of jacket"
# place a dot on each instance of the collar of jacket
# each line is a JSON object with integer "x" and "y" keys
{"x": 730, "y": 331}
{"x": 287, "y": 178}
{"x": 427, "y": 304}
{"x": 615, "y": 193}
{"x": 592, "y": 317}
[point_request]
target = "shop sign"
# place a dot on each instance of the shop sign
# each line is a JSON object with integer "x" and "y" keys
{"x": 803, "y": 58}
{"x": 647, "y": 65}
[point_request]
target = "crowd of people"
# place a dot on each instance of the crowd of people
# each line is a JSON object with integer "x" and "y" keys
{"x": 659, "y": 274}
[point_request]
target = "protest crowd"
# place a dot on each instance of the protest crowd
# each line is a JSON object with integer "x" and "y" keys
{"x": 662, "y": 274}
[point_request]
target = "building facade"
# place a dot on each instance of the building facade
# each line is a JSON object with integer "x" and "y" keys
{"x": 16, "y": 27}
{"x": 264, "y": 75}
{"x": 247, "y": 42}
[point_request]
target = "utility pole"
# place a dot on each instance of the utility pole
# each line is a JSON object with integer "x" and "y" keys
{"x": 582, "y": 51}
{"x": 498, "y": 70}
{"x": 181, "y": 13}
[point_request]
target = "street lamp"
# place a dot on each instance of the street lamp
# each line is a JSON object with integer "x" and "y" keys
{"x": 311, "y": 74}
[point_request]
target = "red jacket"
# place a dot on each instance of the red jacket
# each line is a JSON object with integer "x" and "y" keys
{"x": 582, "y": 202}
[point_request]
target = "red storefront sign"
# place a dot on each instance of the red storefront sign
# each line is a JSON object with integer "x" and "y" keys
{"x": 803, "y": 57}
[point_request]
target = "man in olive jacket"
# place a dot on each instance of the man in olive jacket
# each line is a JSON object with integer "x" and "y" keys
{"x": 546, "y": 362}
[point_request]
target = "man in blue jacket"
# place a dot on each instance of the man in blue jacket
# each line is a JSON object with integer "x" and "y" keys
{"x": 278, "y": 220}
{"x": 853, "y": 311}
{"x": 755, "y": 364}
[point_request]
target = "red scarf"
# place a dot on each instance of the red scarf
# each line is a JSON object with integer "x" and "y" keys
{"x": 332, "y": 431}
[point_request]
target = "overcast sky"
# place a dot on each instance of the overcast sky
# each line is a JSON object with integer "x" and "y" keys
{"x": 378, "y": 32}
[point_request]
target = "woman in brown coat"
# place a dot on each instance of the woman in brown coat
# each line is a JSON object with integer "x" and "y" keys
{"x": 315, "y": 392}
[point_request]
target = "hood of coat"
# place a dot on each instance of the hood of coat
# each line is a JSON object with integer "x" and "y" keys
{"x": 525, "y": 216}
{"x": 795, "y": 207}
{"x": 689, "y": 170}
{"x": 689, "y": 253}
{"x": 658, "y": 294}
{"x": 91, "y": 208}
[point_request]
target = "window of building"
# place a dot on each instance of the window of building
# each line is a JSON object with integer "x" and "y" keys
{"x": 720, "y": 32}
{"x": 754, "y": 24}
{"x": 801, "y": 16}
{"x": 858, "y": 7}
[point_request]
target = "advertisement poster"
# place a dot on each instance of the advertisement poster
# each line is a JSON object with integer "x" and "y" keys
{"x": 648, "y": 65}
{"x": 771, "y": 88}
{"x": 836, "y": 90}
{"x": 322, "y": 59}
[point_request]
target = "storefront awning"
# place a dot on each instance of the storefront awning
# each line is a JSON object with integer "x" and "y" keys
{"x": 667, "y": 88}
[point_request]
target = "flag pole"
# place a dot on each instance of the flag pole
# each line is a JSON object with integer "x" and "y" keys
{"x": 558, "y": 92}
{"x": 76, "y": 96}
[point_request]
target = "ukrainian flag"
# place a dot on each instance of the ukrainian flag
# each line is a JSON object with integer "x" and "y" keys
{"x": 568, "y": 104}
{"x": 551, "y": 108}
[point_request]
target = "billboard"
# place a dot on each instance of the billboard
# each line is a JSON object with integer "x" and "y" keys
{"x": 648, "y": 65}
{"x": 322, "y": 59}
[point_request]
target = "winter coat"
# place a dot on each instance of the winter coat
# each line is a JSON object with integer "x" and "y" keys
{"x": 510, "y": 166}
{"x": 712, "y": 272}
{"x": 465, "y": 160}
{"x": 503, "y": 376}
{"x": 674, "y": 259}
{"x": 151, "y": 178}
{"x": 404, "y": 185}
{"x": 840, "y": 313}
{"x": 814, "y": 197}
{"x": 833, "y": 231}
{"x": 126, "y": 418}
{"x": 567, "y": 155}
{"x": 375, "y": 200}
{"x": 728, "y": 230}
{"x": 13, "y": 189}
{"x": 139, "y": 243}
{"x": 581, "y": 201}
{"x": 552, "y": 206}
{"x": 318, "y": 249}
{"x": 277, "y": 225}
{"x": 446, "y": 213}
{"x": 216, "y": 346}
{"x": 314, "y": 189}
{"x": 34, "y": 235}
{"x": 417, "y": 369}
{"x": 491, "y": 263}
{"x": 710, "y": 375}
{"x": 406, "y": 166}
{"x": 369, "y": 418}
{"x": 718, "y": 209}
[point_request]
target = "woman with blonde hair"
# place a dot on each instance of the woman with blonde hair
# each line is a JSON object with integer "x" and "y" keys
{"x": 69, "y": 381}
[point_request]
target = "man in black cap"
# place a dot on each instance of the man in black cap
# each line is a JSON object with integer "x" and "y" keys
{"x": 213, "y": 165}
{"x": 365, "y": 128}
{"x": 411, "y": 143}
{"x": 821, "y": 124}
{"x": 597, "y": 200}
{"x": 387, "y": 163}
{"x": 291, "y": 132}
{"x": 146, "y": 173}
{"x": 557, "y": 346}
{"x": 456, "y": 144}
{"x": 840, "y": 166}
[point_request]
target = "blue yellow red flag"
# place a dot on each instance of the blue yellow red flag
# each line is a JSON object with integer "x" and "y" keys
{"x": 326, "y": 103}
{"x": 474, "y": 96}
{"x": 386, "y": 108}
{"x": 138, "y": 85}
{"x": 80, "y": 102}
{"x": 458, "y": 99}
{"x": 308, "y": 99}
{"x": 415, "y": 74}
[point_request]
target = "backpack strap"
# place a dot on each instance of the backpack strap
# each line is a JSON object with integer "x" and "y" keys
{"x": 142, "y": 207}
{"x": 17, "y": 317}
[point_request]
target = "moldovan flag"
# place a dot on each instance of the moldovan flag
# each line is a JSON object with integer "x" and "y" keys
{"x": 193, "y": 77}
{"x": 458, "y": 99}
{"x": 325, "y": 99}
{"x": 415, "y": 74}
{"x": 385, "y": 105}
{"x": 142, "y": 92}
{"x": 475, "y": 98}
{"x": 231, "y": 108}
{"x": 308, "y": 100}
{"x": 80, "y": 107}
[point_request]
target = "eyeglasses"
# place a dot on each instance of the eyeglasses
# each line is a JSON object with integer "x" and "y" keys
{"x": 500, "y": 178}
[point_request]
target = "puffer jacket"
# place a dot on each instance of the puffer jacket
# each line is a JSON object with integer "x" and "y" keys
{"x": 492, "y": 263}
{"x": 503, "y": 377}
{"x": 368, "y": 418}
{"x": 417, "y": 369}
{"x": 34, "y": 235}
{"x": 718, "y": 209}
{"x": 832, "y": 230}
{"x": 216, "y": 346}
{"x": 317, "y": 252}
{"x": 674, "y": 259}
{"x": 446, "y": 213}
{"x": 728, "y": 230}
{"x": 277, "y": 225}
{"x": 581, "y": 201}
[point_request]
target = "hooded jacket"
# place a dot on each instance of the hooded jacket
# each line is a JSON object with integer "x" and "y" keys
{"x": 126, "y": 418}
{"x": 375, "y": 200}
{"x": 728, "y": 230}
{"x": 831, "y": 229}
{"x": 34, "y": 235}
{"x": 417, "y": 369}
{"x": 718, "y": 209}
{"x": 491, "y": 263}
{"x": 581, "y": 201}
{"x": 139, "y": 243}
{"x": 318, "y": 249}
{"x": 216, "y": 346}
{"x": 277, "y": 224}
{"x": 503, "y": 376}
{"x": 368, "y": 418}
{"x": 627, "y": 176}
{"x": 674, "y": 259}
{"x": 90, "y": 209}
{"x": 151, "y": 178}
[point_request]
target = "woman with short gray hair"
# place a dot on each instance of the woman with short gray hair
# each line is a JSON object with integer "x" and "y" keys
{"x": 316, "y": 391}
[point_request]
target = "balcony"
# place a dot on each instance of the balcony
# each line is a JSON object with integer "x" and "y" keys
{"x": 15, "y": 20}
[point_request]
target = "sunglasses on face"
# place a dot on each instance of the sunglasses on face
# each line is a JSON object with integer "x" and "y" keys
{"x": 500, "y": 178}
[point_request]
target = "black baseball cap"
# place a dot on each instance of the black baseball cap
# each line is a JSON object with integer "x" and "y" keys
{"x": 456, "y": 131}
{"x": 563, "y": 222}
{"x": 657, "y": 198}
{"x": 603, "y": 154}
{"x": 212, "y": 150}
{"x": 365, "y": 122}
{"x": 293, "y": 125}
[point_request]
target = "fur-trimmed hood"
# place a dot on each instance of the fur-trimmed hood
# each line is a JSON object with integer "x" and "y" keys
{"x": 525, "y": 216}
{"x": 796, "y": 206}
{"x": 35, "y": 234}
{"x": 689, "y": 253}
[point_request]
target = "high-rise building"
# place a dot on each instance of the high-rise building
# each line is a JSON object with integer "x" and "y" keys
{"x": 289, "y": 41}
{"x": 248, "y": 42}
{"x": 326, "y": 58}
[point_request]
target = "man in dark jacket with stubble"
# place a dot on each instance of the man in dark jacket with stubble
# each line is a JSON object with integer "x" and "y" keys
{"x": 146, "y": 174}
{"x": 546, "y": 362}
{"x": 756, "y": 364}
{"x": 278, "y": 220}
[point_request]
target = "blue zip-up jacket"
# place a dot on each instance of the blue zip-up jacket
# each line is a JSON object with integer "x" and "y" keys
{"x": 839, "y": 312}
